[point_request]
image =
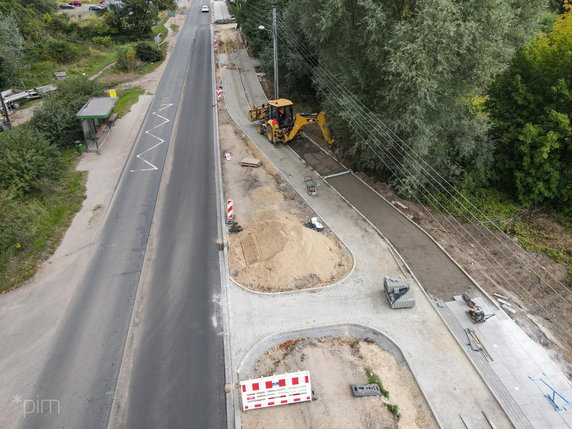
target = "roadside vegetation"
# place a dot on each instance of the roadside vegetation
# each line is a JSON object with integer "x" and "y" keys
{"x": 487, "y": 112}
{"x": 373, "y": 378}
{"x": 40, "y": 191}
{"x": 127, "y": 98}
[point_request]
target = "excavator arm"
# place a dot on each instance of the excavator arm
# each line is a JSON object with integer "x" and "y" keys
{"x": 302, "y": 119}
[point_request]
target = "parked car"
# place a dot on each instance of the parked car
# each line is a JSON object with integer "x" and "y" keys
{"x": 67, "y": 6}
{"x": 204, "y": 8}
{"x": 97, "y": 7}
{"x": 75, "y": 3}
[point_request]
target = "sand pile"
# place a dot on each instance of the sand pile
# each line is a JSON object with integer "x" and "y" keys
{"x": 276, "y": 252}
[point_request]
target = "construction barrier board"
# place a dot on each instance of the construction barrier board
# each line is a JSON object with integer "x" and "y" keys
{"x": 275, "y": 390}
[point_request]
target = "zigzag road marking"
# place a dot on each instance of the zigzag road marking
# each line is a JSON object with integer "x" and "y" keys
{"x": 161, "y": 141}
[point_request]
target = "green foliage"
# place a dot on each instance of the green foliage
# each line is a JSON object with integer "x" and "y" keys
{"x": 147, "y": 53}
{"x": 393, "y": 409}
{"x": 414, "y": 64}
{"x": 531, "y": 108}
{"x": 373, "y": 378}
{"x": 16, "y": 228}
{"x": 60, "y": 51}
{"x": 126, "y": 99}
{"x": 26, "y": 160}
{"x": 56, "y": 118}
{"x": 136, "y": 19}
{"x": 102, "y": 41}
{"x": 126, "y": 60}
{"x": 32, "y": 227}
{"x": 11, "y": 49}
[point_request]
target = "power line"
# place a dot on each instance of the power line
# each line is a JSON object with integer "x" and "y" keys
{"x": 295, "y": 49}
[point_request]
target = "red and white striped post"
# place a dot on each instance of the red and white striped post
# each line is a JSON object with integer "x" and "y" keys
{"x": 229, "y": 212}
{"x": 219, "y": 94}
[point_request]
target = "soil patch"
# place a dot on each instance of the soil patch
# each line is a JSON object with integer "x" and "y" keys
{"x": 334, "y": 365}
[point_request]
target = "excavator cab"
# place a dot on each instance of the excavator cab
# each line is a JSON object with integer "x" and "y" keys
{"x": 281, "y": 111}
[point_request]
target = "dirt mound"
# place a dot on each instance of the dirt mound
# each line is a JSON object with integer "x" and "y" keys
{"x": 275, "y": 252}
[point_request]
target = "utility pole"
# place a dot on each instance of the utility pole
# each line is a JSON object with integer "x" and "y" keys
{"x": 275, "y": 45}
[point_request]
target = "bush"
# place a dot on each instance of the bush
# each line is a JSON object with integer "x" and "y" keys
{"x": 127, "y": 60}
{"x": 56, "y": 118}
{"x": 26, "y": 158}
{"x": 147, "y": 53}
{"x": 103, "y": 41}
{"x": 60, "y": 51}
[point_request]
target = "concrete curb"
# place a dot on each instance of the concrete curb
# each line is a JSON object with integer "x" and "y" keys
{"x": 356, "y": 330}
{"x": 223, "y": 256}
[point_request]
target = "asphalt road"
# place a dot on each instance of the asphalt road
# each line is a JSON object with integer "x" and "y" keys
{"x": 180, "y": 353}
{"x": 178, "y": 371}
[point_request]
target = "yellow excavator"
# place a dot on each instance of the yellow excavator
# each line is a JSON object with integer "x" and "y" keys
{"x": 277, "y": 121}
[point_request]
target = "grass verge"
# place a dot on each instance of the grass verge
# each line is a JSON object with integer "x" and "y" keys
{"x": 92, "y": 62}
{"x": 56, "y": 207}
{"x": 127, "y": 98}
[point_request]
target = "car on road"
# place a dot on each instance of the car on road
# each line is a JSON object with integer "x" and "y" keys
{"x": 204, "y": 8}
{"x": 67, "y": 6}
{"x": 97, "y": 7}
{"x": 75, "y": 3}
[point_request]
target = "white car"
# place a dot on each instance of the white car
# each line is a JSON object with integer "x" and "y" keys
{"x": 204, "y": 8}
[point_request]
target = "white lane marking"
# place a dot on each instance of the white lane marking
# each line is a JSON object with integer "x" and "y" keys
{"x": 161, "y": 141}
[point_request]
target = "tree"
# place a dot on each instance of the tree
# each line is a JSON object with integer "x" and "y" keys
{"x": 415, "y": 64}
{"x": 11, "y": 49}
{"x": 56, "y": 118}
{"x": 136, "y": 18}
{"x": 531, "y": 107}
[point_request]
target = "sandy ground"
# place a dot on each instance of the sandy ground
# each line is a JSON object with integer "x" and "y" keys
{"x": 275, "y": 252}
{"x": 334, "y": 365}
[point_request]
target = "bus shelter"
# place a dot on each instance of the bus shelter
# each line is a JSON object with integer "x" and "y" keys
{"x": 96, "y": 119}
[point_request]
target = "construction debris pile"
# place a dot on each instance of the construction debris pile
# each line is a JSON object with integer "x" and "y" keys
{"x": 275, "y": 252}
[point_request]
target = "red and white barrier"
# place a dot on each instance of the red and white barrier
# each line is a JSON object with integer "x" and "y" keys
{"x": 219, "y": 94}
{"x": 276, "y": 390}
{"x": 229, "y": 211}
